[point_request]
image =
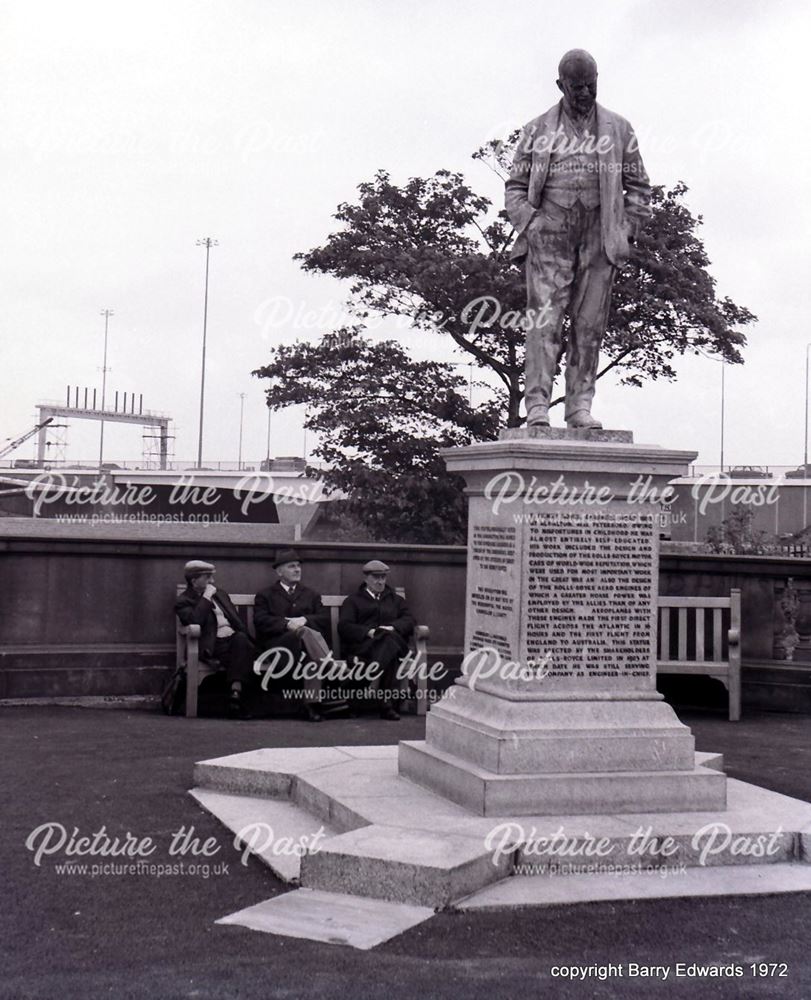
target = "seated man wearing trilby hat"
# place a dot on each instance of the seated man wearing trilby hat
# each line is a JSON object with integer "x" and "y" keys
{"x": 375, "y": 626}
{"x": 290, "y": 617}
{"x": 223, "y": 634}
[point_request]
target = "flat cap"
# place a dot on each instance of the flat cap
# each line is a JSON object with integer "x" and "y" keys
{"x": 286, "y": 556}
{"x": 197, "y": 566}
{"x": 375, "y": 566}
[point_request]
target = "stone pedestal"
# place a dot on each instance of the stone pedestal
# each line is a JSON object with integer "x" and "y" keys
{"x": 557, "y": 710}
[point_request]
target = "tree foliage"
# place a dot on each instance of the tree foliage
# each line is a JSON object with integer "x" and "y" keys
{"x": 382, "y": 418}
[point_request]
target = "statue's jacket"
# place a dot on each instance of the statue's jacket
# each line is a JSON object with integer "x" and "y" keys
{"x": 624, "y": 186}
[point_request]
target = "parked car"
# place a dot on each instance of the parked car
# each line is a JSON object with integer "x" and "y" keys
{"x": 749, "y": 472}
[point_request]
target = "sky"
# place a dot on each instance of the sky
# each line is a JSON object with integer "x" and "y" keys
{"x": 130, "y": 131}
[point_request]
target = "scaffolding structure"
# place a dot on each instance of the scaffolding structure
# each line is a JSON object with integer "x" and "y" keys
{"x": 81, "y": 404}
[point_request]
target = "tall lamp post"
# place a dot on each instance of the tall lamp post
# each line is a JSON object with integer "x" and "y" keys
{"x": 106, "y": 313}
{"x": 208, "y": 243}
{"x": 723, "y": 364}
{"x": 723, "y": 374}
{"x": 242, "y": 396}
{"x": 805, "y": 450}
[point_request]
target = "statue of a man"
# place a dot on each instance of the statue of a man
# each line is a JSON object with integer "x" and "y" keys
{"x": 577, "y": 194}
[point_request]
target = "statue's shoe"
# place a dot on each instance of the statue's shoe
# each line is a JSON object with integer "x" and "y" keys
{"x": 583, "y": 420}
{"x": 537, "y": 417}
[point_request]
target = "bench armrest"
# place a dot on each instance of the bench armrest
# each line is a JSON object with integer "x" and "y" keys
{"x": 193, "y": 631}
{"x": 734, "y": 637}
{"x": 422, "y": 632}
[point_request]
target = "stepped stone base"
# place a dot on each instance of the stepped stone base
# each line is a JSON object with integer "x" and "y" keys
{"x": 384, "y": 837}
{"x": 488, "y": 794}
{"x": 546, "y": 736}
{"x": 498, "y": 757}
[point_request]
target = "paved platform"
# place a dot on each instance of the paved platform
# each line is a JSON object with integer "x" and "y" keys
{"x": 382, "y": 837}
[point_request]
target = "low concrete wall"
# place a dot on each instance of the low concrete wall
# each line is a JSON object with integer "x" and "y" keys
{"x": 92, "y": 615}
{"x": 106, "y": 602}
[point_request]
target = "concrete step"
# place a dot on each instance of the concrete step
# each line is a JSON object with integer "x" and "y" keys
{"x": 333, "y": 918}
{"x": 275, "y": 831}
{"x": 406, "y": 866}
{"x": 538, "y": 890}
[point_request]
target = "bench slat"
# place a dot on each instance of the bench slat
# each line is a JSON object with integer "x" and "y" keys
{"x": 707, "y": 667}
{"x": 700, "y": 634}
{"x": 717, "y": 643}
{"x": 682, "y": 643}
{"x": 693, "y": 602}
{"x": 664, "y": 639}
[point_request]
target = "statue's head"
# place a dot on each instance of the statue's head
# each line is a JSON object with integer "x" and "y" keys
{"x": 577, "y": 78}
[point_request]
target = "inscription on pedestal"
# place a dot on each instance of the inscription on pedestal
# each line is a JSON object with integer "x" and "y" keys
{"x": 589, "y": 593}
{"x": 492, "y": 614}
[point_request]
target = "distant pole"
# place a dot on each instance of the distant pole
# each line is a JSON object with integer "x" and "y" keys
{"x": 106, "y": 313}
{"x": 267, "y": 456}
{"x": 805, "y": 452}
{"x": 208, "y": 243}
{"x": 242, "y": 396}
{"x": 723, "y": 373}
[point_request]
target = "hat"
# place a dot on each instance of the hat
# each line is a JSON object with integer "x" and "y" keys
{"x": 195, "y": 566}
{"x": 286, "y": 556}
{"x": 375, "y": 566}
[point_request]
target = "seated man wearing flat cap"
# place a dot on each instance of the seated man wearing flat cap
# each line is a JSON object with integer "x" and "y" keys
{"x": 375, "y": 626}
{"x": 223, "y": 634}
{"x": 290, "y": 616}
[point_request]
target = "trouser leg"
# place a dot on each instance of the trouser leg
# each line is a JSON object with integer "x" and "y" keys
{"x": 280, "y": 657}
{"x": 550, "y": 273}
{"x": 317, "y": 650}
{"x": 591, "y": 300}
{"x": 236, "y": 653}
{"x": 385, "y": 651}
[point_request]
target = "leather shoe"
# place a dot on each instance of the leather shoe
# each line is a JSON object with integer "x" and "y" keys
{"x": 390, "y": 714}
{"x": 236, "y": 707}
{"x": 312, "y": 714}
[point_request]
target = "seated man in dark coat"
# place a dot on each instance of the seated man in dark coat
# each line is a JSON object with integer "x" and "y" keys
{"x": 289, "y": 616}
{"x": 223, "y": 634}
{"x": 375, "y": 626}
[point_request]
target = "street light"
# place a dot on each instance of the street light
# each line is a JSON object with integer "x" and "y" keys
{"x": 106, "y": 313}
{"x": 723, "y": 374}
{"x": 723, "y": 363}
{"x": 242, "y": 396}
{"x": 208, "y": 243}
{"x": 805, "y": 451}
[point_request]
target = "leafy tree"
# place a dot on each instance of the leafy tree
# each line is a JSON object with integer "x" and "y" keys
{"x": 382, "y": 418}
{"x": 432, "y": 252}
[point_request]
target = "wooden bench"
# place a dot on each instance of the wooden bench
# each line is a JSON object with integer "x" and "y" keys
{"x": 188, "y": 652}
{"x": 692, "y": 639}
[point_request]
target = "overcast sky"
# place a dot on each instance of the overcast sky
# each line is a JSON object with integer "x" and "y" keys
{"x": 131, "y": 130}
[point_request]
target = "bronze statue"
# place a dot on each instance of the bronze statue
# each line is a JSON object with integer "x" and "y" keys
{"x": 577, "y": 195}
